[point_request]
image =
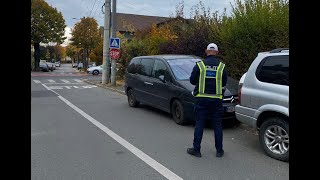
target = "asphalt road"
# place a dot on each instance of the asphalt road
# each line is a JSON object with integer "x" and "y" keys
{"x": 87, "y": 132}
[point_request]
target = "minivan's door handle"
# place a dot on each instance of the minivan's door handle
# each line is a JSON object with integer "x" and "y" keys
{"x": 148, "y": 83}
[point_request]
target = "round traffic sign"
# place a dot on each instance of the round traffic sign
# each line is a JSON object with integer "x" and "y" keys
{"x": 114, "y": 53}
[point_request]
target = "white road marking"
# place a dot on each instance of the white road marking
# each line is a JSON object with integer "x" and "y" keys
{"x": 37, "y": 81}
{"x": 55, "y": 87}
{"x": 65, "y": 81}
{"x": 144, "y": 157}
{"x": 52, "y": 81}
{"x": 49, "y": 89}
{"x": 77, "y": 80}
{"x": 70, "y": 87}
{"x": 89, "y": 86}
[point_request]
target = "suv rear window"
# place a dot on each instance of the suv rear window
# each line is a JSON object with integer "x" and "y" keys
{"x": 274, "y": 69}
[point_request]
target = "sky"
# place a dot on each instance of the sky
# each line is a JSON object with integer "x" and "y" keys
{"x": 73, "y": 10}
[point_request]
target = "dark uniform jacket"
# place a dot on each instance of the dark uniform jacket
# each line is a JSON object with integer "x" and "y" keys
{"x": 210, "y": 85}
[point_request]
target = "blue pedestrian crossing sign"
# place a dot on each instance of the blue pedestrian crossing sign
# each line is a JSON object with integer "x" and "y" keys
{"x": 115, "y": 43}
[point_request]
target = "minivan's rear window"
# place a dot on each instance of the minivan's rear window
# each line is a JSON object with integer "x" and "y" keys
{"x": 182, "y": 68}
{"x": 134, "y": 66}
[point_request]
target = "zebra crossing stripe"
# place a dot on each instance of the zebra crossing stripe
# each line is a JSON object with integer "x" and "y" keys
{"x": 66, "y": 81}
{"x": 77, "y": 80}
{"x": 51, "y": 81}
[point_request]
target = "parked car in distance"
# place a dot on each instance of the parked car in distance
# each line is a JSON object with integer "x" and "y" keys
{"x": 95, "y": 70}
{"x": 43, "y": 66}
{"x": 57, "y": 63}
{"x": 80, "y": 65}
{"x": 51, "y": 66}
{"x": 91, "y": 64}
{"x": 162, "y": 81}
{"x": 263, "y": 101}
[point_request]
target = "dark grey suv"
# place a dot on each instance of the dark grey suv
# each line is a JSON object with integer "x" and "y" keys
{"x": 162, "y": 81}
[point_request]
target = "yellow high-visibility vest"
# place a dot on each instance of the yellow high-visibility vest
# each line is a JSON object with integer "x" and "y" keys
{"x": 211, "y": 74}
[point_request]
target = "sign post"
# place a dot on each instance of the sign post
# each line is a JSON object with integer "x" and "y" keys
{"x": 115, "y": 54}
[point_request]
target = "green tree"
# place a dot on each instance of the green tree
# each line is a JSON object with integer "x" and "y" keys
{"x": 47, "y": 25}
{"x": 85, "y": 35}
{"x": 43, "y": 52}
{"x": 47, "y": 55}
{"x": 59, "y": 52}
{"x": 51, "y": 51}
{"x": 73, "y": 52}
{"x": 97, "y": 53}
{"x": 254, "y": 26}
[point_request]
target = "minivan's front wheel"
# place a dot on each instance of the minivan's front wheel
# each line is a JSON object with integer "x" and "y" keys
{"x": 132, "y": 99}
{"x": 178, "y": 112}
{"x": 274, "y": 138}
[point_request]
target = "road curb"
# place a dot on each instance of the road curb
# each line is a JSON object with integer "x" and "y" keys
{"x": 105, "y": 87}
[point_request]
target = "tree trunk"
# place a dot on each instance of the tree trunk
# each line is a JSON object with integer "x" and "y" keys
{"x": 87, "y": 59}
{"x": 36, "y": 55}
{"x": 83, "y": 57}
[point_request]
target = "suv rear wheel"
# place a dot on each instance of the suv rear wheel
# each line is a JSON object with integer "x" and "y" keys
{"x": 274, "y": 138}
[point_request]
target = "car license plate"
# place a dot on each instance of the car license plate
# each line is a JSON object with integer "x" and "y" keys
{"x": 230, "y": 109}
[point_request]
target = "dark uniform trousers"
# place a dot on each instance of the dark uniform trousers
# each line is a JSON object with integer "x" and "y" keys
{"x": 208, "y": 109}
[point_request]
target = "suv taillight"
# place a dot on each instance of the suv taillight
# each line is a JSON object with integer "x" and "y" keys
{"x": 239, "y": 94}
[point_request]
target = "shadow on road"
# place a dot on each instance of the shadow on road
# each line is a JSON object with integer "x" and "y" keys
{"x": 227, "y": 124}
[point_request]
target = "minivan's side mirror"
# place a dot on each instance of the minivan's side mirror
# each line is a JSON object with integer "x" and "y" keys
{"x": 162, "y": 78}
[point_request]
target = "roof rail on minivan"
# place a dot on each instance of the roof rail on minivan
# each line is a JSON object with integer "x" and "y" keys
{"x": 278, "y": 50}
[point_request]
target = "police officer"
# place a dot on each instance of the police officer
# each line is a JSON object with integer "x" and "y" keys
{"x": 210, "y": 78}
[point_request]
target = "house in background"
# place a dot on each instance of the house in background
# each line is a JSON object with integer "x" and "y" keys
{"x": 128, "y": 24}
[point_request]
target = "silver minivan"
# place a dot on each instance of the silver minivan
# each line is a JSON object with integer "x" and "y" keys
{"x": 263, "y": 101}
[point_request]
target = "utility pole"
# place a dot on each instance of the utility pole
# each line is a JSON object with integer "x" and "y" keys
{"x": 113, "y": 34}
{"x": 106, "y": 44}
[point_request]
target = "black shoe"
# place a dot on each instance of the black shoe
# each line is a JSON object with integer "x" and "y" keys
{"x": 220, "y": 154}
{"x": 193, "y": 152}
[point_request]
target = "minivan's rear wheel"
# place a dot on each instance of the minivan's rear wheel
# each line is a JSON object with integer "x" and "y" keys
{"x": 178, "y": 112}
{"x": 132, "y": 99}
{"x": 274, "y": 138}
